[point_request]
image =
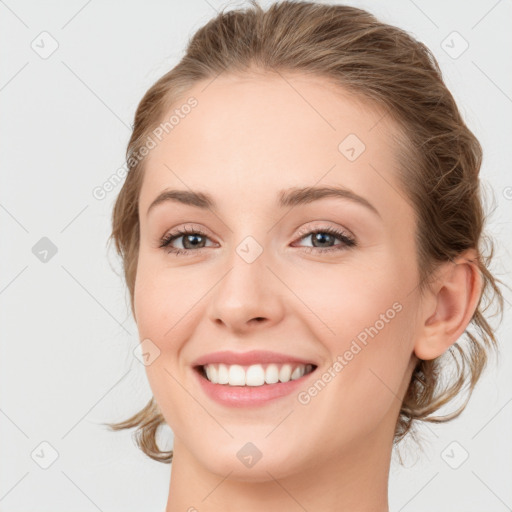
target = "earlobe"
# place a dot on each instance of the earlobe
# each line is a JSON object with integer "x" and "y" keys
{"x": 454, "y": 299}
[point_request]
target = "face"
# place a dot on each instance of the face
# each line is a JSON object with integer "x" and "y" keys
{"x": 320, "y": 281}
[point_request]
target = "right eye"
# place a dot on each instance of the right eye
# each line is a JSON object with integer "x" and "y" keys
{"x": 189, "y": 235}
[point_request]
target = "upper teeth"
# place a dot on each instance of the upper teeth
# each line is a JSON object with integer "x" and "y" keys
{"x": 256, "y": 374}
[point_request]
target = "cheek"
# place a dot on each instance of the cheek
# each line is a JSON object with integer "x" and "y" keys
{"x": 364, "y": 387}
{"x": 161, "y": 297}
{"x": 343, "y": 300}
{"x": 162, "y": 323}
{"x": 366, "y": 326}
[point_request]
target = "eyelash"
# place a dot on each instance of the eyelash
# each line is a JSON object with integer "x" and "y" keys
{"x": 347, "y": 240}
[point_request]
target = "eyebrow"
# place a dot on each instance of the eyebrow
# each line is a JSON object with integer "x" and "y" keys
{"x": 290, "y": 197}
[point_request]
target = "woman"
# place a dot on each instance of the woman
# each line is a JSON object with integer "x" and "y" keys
{"x": 301, "y": 232}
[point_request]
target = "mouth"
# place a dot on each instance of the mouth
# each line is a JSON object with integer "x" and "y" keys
{"x": 235, "y": 375}
{"x": 251, "y": 378}
{"x": 256, "y": 385}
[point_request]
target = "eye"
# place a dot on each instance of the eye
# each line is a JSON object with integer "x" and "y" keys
{"x": 190, "y": 239}
{"x": 191, "y": 235}
{"x": 318, "y": 236}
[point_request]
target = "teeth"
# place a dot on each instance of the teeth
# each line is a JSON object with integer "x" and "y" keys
{"x": 285, "y": 373}
{"x": 256, "y": 374}
{"x": 236, "y": 375}
{"x": 298, "y": 372}
{"x": 223, "y": 375}
{"x": 272, "y": 374}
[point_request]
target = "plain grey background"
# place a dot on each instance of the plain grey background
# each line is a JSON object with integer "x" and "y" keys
{"x": 72, "y": 74}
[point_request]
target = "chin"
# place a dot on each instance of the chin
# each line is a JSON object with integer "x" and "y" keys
{"x": 247, "y": 464}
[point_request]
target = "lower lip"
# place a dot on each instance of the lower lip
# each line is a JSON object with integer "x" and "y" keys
{"x": 241, "y": 396}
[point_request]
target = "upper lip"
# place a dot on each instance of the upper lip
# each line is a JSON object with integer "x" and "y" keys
{"x": 248, "y": 358}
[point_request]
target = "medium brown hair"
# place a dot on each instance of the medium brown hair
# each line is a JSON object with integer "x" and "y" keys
{"x": 439, "y": 160}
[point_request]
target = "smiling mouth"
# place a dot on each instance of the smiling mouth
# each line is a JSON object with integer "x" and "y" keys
{"x": 255, "y": 374}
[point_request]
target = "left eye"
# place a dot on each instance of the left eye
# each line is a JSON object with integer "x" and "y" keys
{"x": 325, "y": 235}
{"x": 190, "y": 240}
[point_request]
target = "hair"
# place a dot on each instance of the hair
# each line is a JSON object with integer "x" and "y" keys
{"x": 439, "y": 161}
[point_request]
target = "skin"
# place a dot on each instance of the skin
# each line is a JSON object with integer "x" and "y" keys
{"x": 250, "y": 137}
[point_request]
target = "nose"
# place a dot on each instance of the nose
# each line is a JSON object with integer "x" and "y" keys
{"x": 248, "y": 296}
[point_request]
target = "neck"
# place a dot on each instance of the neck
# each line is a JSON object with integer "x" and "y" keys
{"x": 354, "y": 480}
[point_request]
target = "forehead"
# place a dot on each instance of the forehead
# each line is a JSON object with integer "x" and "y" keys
{"x": 251, "y": 135}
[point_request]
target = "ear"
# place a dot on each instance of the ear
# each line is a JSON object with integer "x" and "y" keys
{"x": 449, "y": 307}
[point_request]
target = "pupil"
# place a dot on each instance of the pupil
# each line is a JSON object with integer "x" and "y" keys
{"x": 319, "y": 236}
{"x": 187, "y": 239}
